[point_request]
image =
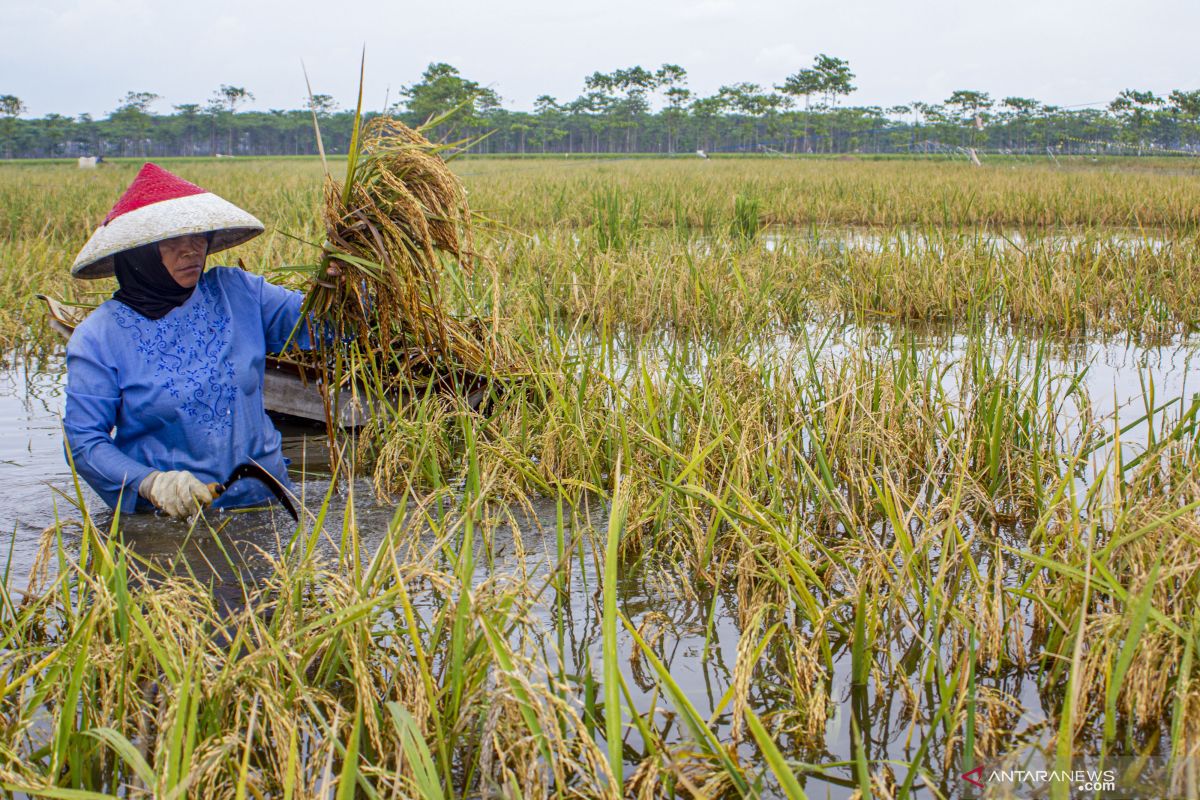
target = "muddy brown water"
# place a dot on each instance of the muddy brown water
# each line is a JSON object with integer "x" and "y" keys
{"x": 700, "y": 635}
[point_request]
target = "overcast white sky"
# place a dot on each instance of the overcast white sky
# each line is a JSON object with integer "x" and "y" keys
{"x": 73, "y": 56}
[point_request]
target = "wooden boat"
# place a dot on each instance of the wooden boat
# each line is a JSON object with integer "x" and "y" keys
{"x": 290, "y": 388}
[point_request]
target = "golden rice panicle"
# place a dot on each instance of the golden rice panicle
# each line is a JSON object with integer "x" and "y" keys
{"x": 403, "y": 211}
{"x": 414, "y": 160}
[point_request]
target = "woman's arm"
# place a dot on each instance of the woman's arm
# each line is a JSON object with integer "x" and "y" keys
{"x": 93, "y": 399}
{"x": 280, "y": 315}
{"x": 280, "y": 309}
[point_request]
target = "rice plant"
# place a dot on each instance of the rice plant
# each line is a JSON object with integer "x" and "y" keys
{"x": 772, "y": 512}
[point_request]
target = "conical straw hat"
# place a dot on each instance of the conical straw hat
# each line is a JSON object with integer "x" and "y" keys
{"x": 159, "y": 205}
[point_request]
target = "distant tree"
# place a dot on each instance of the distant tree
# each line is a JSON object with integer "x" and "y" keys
{"x": 750, "y": 101}
{"x": 1136, "y": 109}
{"x": 835, "y": 77}
{"x": 829, "y": 77}
{"x": 671, "y": 80}
{"x": 935, "y": 121}
{"x": 1021, "y": 106}
{"x": 626, "y": 92}
{"x": 55, "y": 129}
{"x": 321, "y": 104}
{"x": 632, "y": 84}
{"x": 590, "y": 112}
{"x": 138, "y": 101}
{"x": 675, "y": 113}
{"x": 1186, "y": 107}
{"x": 11, "y": 107}
{"x": 972, "y": 108}
{"x": 1047, "y": 119}
{"x": 1186, "y": 104}
{"x": 190, "y": 125}
{"x": 549, "y": 119}
{"x": 88, "y": 131}
{"x": 233, "y": 96}
{"x": 132, "y": 119}
{"x": 707, "y": 112}
{"x": 1019, "y": 111}
{"x": 228, "y": 98}
{"x": 633, "y": 108}
{"x": 441, "y": 90}
{"x": 214, "y": 110}
{"x": 969, "y": 103}
{"x": 805, "y": 83}
{"x": 740, "y": 98}
{"x": 677, "y": 98}
{"x": 522, "y": 131}
{"x": 545, "y": 104}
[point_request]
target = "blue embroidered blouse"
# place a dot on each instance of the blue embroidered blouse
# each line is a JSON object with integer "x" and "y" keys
{"x": 183, "y": 392}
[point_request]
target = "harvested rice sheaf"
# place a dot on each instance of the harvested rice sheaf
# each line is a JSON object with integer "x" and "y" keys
{"x": 392, "y": 228}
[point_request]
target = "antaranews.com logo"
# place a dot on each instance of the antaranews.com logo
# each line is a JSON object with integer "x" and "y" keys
{"x": 1029, "y": 774}
{"x": 1080, "y": 780}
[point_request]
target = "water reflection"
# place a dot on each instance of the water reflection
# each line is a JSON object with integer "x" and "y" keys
{"x": 941, "y": 241}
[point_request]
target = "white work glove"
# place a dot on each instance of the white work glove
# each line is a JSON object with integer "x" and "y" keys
{"x": 179, "y": 493}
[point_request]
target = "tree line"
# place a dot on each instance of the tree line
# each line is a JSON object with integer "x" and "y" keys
{"x": 628, "y": 110}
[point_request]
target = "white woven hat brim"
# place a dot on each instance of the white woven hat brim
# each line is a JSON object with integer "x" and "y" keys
{"x": 166, "y": 219}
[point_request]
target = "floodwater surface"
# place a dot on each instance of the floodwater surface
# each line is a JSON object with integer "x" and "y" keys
{"x": 699, "y": 633}
{"x": 37, "y": 483}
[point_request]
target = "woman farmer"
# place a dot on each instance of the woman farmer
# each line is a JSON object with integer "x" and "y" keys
{"x": 164, "y": 381}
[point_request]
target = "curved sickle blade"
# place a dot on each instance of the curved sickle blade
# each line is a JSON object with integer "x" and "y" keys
{"x": 253, "y": 470}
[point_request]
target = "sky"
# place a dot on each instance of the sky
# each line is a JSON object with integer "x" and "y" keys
{"x": 76, "y": 56}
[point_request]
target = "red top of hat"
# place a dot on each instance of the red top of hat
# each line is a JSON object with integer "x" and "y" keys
{"x": 153, "y": 184}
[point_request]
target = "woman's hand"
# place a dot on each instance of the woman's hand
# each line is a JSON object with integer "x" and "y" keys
{"x": 332, "y": 278}
{"x": 179, "y": 493}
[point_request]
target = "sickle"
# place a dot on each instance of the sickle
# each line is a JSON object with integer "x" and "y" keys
{"x": 253, "y": 470}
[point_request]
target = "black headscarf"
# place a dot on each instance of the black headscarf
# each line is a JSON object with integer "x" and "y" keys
{"x": 146, "y": 285}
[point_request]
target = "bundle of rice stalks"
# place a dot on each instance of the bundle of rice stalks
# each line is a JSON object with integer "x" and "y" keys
{"x": 393, "y": 227}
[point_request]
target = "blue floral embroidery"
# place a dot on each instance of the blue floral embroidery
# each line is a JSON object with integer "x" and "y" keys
{"x": 190, "y": 351}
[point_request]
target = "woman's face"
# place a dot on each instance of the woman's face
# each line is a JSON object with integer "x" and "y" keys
{"x": 184, "y": 257}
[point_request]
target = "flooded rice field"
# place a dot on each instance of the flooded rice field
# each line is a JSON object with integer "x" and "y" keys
{"x": 697, "y": 632}
{"x": 940, "y": 241}
{"x": 38, "y": 485}
{"x": 816, "y": 479}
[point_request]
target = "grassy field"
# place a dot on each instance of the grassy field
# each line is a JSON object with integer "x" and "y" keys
{"x": 812, "y": 426}
{"x": 649, "y": 245}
